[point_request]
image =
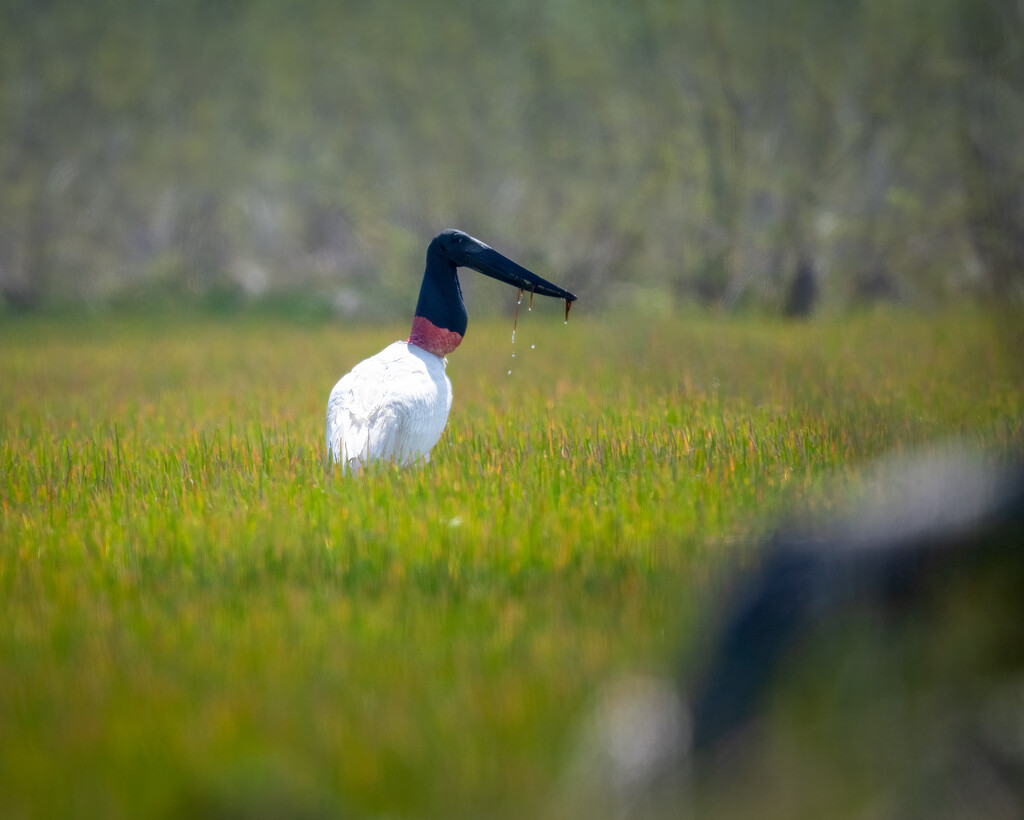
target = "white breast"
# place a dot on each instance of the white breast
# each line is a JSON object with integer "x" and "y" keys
{"x": 390, "y": 407}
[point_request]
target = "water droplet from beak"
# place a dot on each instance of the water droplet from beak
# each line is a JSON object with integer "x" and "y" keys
{"x": 515, "y": 317}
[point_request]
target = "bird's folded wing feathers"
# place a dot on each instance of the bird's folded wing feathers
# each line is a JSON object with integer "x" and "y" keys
{"x": 388, "y": 407}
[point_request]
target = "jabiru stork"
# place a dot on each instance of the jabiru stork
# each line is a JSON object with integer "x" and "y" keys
{"x": 394, "y": 406}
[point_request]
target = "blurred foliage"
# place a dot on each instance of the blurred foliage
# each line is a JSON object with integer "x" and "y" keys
{"x": 684, "y": 150}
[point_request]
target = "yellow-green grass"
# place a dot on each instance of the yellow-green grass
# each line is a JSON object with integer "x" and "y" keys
{"x": 197, "y": 618}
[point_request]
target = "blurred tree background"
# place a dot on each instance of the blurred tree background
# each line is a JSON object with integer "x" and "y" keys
{"x": 780, "y": 155}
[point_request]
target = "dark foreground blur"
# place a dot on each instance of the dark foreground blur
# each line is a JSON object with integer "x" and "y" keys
{"x": 872, "y": 666}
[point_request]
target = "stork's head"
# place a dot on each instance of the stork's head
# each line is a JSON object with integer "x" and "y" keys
{"x": 440, "y": 321}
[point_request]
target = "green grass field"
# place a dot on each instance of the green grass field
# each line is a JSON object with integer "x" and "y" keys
{"x": 198, "y": 620}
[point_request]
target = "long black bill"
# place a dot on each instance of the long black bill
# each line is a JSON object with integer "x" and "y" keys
{"x": 488, "y": 261}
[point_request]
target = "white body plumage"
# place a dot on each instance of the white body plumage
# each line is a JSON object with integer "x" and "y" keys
{"x": 390, "y": 407}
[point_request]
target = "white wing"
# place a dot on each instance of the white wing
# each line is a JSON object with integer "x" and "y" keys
{"x": 392, "y": 406}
